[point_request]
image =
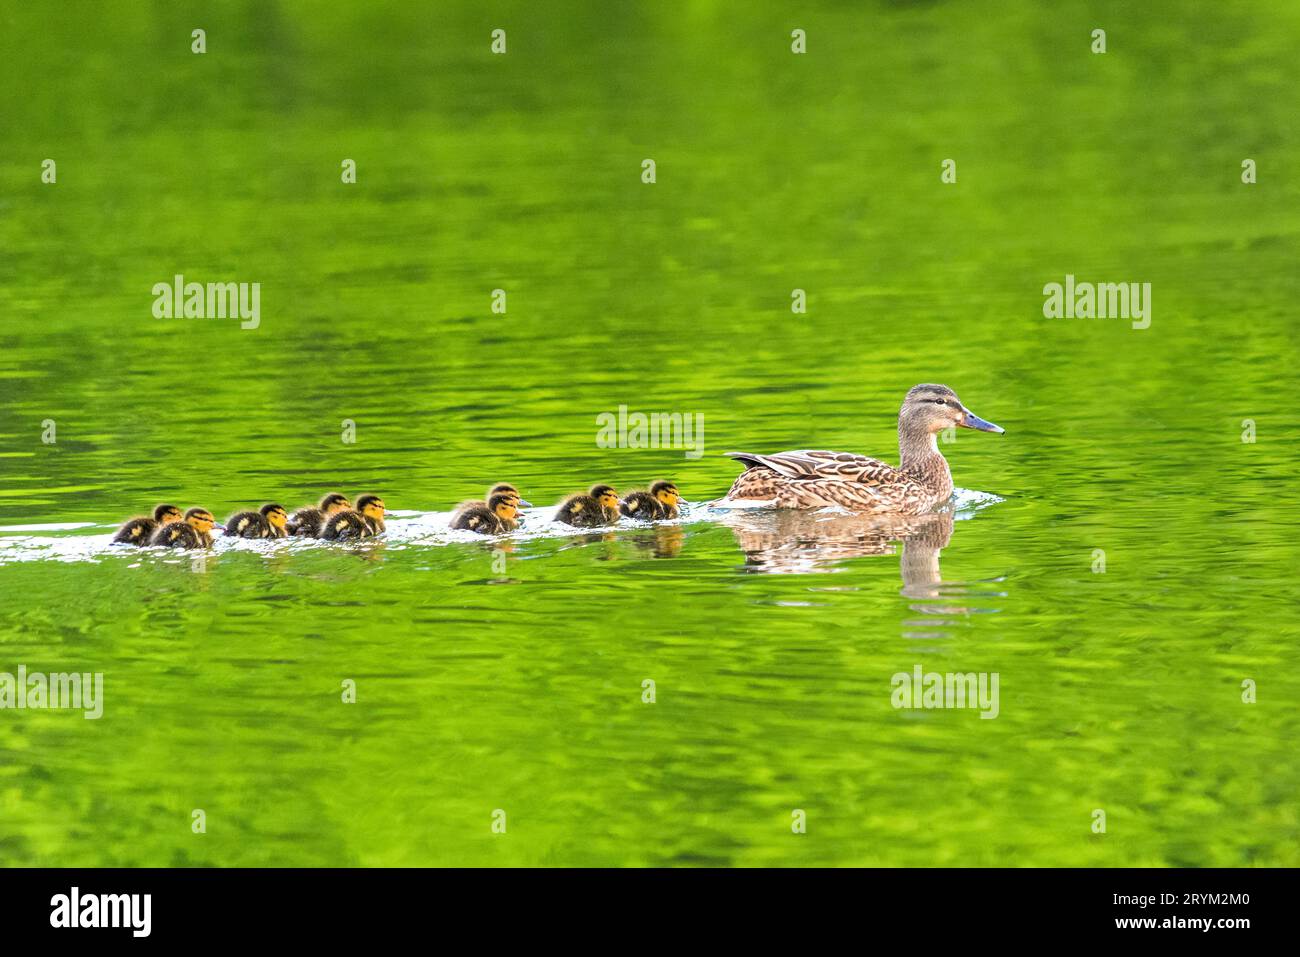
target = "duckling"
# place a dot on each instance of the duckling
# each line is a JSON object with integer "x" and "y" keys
{"x": 641, "y": 504}
{"x": 266, "y": 522}
{"x": 598, "y": 507}
{"x": 365, "y": 520}
{"x": 194, "y": 532}
{"x": 138, "y": 531}
{"x": 505, "y": 488}
{"x": 501, "y": 488}
{"x": 372, "y": 509}
{"x": 307, "y": 522}
{"x": 660, "y": 502}
{"x": 344, "y": 526}
{"x": 276, "y": 519}
{"x": 500, "y": 514}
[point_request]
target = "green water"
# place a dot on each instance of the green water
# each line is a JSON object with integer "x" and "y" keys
{"x": 771, "y": 639}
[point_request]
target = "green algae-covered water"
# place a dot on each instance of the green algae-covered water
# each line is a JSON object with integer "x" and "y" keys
{"x": 719, "y": 691}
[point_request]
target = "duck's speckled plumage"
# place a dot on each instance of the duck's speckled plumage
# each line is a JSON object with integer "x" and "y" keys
{"x": 816, "y": 479}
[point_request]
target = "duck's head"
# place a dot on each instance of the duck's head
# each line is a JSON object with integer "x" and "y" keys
{"x": 334, "y": 502}
{"x": 200, "y": 519}
{"x": 666, "y": 493}
{"x": 274, "y": 514}
{"x": 933, "y": 408}
{"x": 505, "y": 488}
{"x": 504, "y": 506}
{"x": 371, "y": 506}
{"x": 605, "y": 495}
{"x": 165, "y": 514}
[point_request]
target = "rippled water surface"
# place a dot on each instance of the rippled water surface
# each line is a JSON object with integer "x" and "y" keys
{"x": 510, "y": 675}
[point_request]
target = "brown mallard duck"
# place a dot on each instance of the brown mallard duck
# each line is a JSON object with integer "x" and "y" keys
{"x": 267, "y": 522}
{"x": 816, "y": 479}
{"x": 598, "y": 507}
{"x": 661, "y": 501}
{"x": 307, "y": 522}
{"x": 365, "y": 520}
{"x": 499, "y": 514}
{"x": 194, "y": 531}
{"x": 138, "y": 530}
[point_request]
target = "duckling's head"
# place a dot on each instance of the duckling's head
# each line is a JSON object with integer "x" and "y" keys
{"x": 505, "y": 488}
{"x": 605, "y": 495}
{"x": 666, "y": 493}
{"x": 334, "y": 502}
{"x": 274, "y": 514}
{"x": 201, "y": 519}
{"x": 929, "y": 409}
{"x": 504, "y": 506}
{"x": 371, "y": 506}
{"x": 164, "y": 514}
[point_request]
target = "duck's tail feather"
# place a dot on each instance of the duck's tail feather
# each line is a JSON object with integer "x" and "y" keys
{"x": 786, "y": 464}
{"x": 750, "y": 460}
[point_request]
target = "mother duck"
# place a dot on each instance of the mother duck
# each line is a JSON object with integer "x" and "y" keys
{"x": 815, "y": 479}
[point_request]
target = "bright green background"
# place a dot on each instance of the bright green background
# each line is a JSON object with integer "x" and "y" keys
{"x": 1120, "y": 690}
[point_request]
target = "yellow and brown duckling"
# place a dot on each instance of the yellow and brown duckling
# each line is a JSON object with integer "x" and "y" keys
{"x": 365, "y": 520}
{"x": 501, "y": 488}
{"x": 373, "y": 510}
{"x": 660, "y": 502}
{"x": 194, "y": 531}
{"x": 267, "y": 522}
{"x": 598, "y": 507}
{"x": 307, "y": 522}
{"x": 505, "y": 488}
{"x": 499, "y": 514}
{"x": 139, "y": 530}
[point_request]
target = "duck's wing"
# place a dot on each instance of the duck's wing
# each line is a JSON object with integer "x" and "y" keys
{"x": 815, "y": 464}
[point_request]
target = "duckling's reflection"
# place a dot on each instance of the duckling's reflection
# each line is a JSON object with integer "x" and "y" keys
{"x": 609, "y": 539}
{"x": 787, "y": 540}
{"x": 662, "y": 541}
{"x": 367, "y": 549}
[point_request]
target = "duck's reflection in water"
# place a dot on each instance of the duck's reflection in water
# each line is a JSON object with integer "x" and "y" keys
{"x": 790, "y": 540}
{"x": 787, "y": 540}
